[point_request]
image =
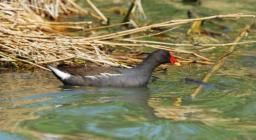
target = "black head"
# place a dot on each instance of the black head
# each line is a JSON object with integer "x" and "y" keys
{"x": 163, "y": 56}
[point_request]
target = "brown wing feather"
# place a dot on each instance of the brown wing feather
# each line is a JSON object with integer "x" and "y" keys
{"x": 89, "y": 70}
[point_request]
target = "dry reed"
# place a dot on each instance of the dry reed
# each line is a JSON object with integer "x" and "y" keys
{"x": 27, "y": 36}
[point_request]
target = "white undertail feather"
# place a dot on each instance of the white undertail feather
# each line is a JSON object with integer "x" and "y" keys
{"x": 62, "y": 75}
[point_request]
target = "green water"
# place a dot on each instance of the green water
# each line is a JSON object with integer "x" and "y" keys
{"x": 35, "y": 105}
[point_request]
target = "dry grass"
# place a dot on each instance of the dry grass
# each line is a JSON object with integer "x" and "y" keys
{"x": 27, "y": 37}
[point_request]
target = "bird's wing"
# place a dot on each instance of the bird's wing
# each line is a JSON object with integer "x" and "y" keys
{"x": 90, "y": 70}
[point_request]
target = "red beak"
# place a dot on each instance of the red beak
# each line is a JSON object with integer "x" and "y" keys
{"x": 173, "y": 60}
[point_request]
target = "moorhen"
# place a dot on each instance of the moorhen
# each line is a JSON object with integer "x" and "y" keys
{"x": 119, "y": 77}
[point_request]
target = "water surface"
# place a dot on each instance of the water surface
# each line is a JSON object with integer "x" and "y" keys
{"x": 35, "y": 105}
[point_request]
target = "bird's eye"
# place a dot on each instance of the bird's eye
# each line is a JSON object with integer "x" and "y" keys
{"x": 163, "y": 55}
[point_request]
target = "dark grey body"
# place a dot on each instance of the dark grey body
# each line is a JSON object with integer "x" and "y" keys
{"x": 128, "y": 78}
{"x": 134, "y": 77}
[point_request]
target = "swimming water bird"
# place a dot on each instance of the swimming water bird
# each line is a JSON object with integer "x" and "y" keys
{"x": 119, "y": 77}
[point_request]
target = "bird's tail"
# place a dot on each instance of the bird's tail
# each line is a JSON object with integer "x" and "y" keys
{"x": 59, "y": 74}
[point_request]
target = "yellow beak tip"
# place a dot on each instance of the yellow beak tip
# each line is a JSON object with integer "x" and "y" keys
{"x": 177, "y": 64}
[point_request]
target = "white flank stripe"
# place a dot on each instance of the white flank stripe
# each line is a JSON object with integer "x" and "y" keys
{"x": 91, "y": 77}
{"x": 109, "y": 74}
{"x": 102, "y": 75}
